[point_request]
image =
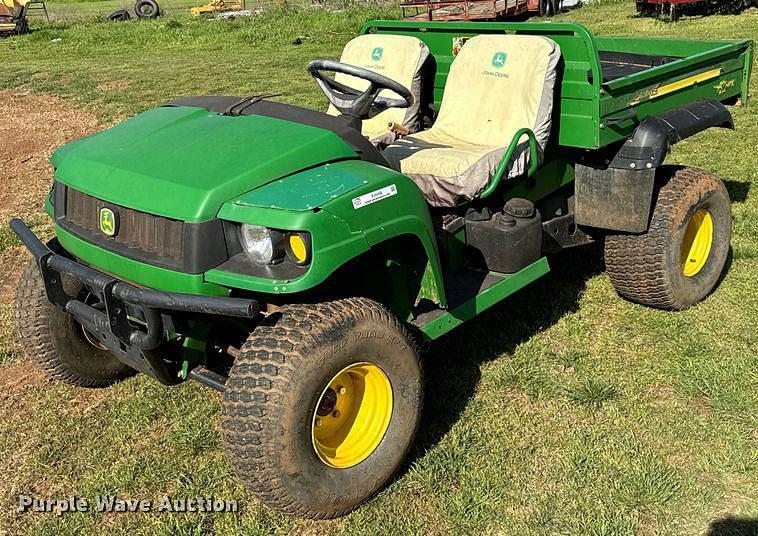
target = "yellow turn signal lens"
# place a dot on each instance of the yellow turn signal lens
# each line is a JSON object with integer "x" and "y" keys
{"x": 298, "y": 248}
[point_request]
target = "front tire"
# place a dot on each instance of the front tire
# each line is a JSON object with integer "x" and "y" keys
{"x": 678, "y": 261}
{"x": 321, "y": 406}
{"x": 57, "y": 343}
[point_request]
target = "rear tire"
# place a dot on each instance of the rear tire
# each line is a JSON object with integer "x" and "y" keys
{"x": 278, "y": 405}
{"x": 679, "y": 259}
{"x": 54, "y": 341}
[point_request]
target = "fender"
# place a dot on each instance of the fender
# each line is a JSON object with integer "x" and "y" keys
{"x": 653, "y": 138}
{"x": 619, "y": 196}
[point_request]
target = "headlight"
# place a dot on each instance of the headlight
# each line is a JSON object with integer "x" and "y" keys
{"x": 260, "y": 243}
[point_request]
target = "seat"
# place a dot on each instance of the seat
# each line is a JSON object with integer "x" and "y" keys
{"x": 497, "y": 85}
{"x": 398, "y": 57}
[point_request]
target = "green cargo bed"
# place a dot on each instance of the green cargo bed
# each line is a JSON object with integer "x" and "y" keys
{"x": 608, "y": 84}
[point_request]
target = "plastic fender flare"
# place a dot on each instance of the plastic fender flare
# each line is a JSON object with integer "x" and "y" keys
{"x": 379, "y": 222}
{"x": 653, "y": 138}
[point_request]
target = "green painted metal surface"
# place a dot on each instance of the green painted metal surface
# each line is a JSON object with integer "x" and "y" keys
{"x": 717, "y": 70}
{"x": 341, "y": 230}
{"x": 333, "y": 243}
{"x": 49, "y": 209}
{"x": 486, "y": 299}
{"x": 184, "y": 163}
{"x": 141, "y": 274}
{"x": 553, "y": 174}
{"x": 308, "y": 189}
{"x": 502, "y": 169}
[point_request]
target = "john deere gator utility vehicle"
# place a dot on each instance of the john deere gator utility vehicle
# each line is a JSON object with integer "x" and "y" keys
{"x": 294, "y": 259}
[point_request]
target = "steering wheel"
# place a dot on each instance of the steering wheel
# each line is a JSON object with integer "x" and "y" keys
{"x": 354, "y": 102}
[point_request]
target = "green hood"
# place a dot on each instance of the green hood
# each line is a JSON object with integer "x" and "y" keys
{"x": 184, "y": 163}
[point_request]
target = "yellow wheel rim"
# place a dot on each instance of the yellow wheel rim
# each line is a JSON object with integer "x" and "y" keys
{"x": 698, "y": 238}
{"x": 352, "y": 415}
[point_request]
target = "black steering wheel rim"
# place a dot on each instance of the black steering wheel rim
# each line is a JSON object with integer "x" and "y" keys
{"x": 351, "y": 101}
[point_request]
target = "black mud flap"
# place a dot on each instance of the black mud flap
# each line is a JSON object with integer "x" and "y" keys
{"x": 614, "y": 199}
{"x": 616, "y": 194}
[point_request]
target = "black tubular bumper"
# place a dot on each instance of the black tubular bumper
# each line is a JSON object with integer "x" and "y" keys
{"x": 130, "y": 341}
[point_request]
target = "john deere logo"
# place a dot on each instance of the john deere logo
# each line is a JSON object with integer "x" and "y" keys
{"x": 498, "y": 60}
{"x": 108, "y": 222}
{"x": 376, "y": 54}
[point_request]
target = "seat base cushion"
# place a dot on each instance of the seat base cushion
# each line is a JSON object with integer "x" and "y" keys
{"x": 450, "y": 171}
{"x": 497, "y": 85}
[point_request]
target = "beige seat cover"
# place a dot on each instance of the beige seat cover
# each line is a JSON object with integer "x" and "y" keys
{"x": 397, "y": 57}
{"x": 497, "y": 85}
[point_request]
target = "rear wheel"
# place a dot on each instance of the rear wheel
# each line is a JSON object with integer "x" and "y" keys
{"x": 55, "y": 341}
{"x": 321, "y": 406}
{"x": 679, "y": 260}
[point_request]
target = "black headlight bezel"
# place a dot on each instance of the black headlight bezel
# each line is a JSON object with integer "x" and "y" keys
{"x": 286, "y": 267}
{"x": 306, "y": 237}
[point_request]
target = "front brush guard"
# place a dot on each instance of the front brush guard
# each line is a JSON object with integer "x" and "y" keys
{"x": 127, "y": 341}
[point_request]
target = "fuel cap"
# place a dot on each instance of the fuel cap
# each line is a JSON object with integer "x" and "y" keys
{"x": 519, "y": 208}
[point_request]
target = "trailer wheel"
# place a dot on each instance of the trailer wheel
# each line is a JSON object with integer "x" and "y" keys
{"x": 680, "y": 258}
{"x": 55, "y": 341}
{"x": 321, "y": 406}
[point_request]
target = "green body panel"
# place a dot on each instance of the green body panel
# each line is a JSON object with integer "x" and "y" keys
{"x": 49, "y": 209}
{"x": 333, "y": 244}
{"x": 308, "y": 189}
{"x": 725, "y": 64}
{"x": 484, "y": 300}
{"x": 141, "y": 274}
{"x": 553, "y": 174}
{"x": 585, "y": 101}
{"x": 339, "y": 231}
{"x": 184, "y": 163}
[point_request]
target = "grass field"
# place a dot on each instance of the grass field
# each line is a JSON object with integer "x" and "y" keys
{"x": 573, "y": 413}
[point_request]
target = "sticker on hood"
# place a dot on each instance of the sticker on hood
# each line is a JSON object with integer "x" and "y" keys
{"x": 373, "y": 197}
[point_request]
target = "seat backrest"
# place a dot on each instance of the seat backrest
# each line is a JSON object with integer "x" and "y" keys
{"x": 397, "y": 57}
{"x": 498, "y": 84}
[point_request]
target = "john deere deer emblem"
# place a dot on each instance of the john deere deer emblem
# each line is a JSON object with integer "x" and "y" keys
{"x": 498, "y": 60}
{"x": 376, "y": 54}
{"x": 108, "y": 222}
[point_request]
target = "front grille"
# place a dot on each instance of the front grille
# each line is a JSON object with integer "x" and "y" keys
{"x": 145, "y": 234}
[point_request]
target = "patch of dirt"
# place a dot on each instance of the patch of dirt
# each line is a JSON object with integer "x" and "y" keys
{"x": 12, "y": 261}
{"x": 18, "y": 378}
{"x": 31, "y": 128}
